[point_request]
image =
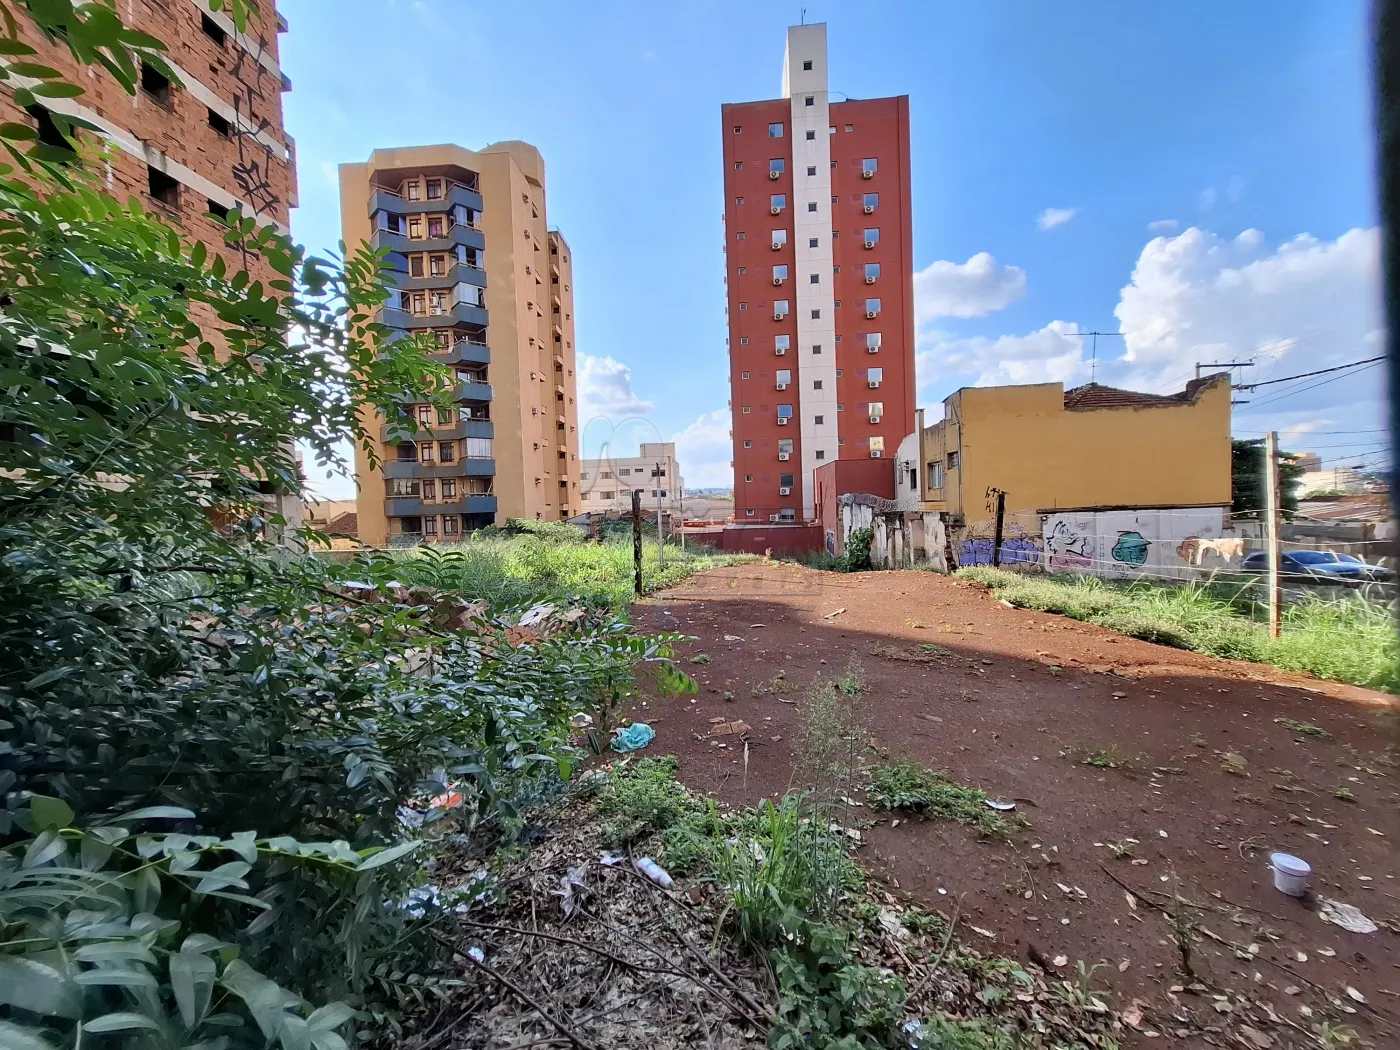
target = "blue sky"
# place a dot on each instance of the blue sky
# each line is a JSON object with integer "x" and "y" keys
{"x": 1047, "y": 138}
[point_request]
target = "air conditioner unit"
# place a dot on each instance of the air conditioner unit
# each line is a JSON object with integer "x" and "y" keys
{"x": 870, "y": 280}
{"x": 777, "y": 245}
{"x": 774, "y": 174}
{"x": 874, "y": 383}
{"x": 872, "y": 349}
{"x": 780, "y": 350}
{"x": 780, "y": 386}
{"x": 869, "y": 209}
{"x": 783, "y": 457}
{"x": 775, "y": 210}
{"x": 870, "y": 315}
{"x": 775, "y": 517}
{"x": 869, "y": 245}
{"x": 875, "y": 419}
{"x": 777, "y": 280}
{"x": 867, "y": 174}
{"x": 875, "y": 453}
{"x": 785, "y": 491}
{"x": 783, "y": 420}
{"x": 778, "y": 316}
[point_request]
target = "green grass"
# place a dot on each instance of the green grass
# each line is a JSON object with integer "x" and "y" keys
{"x": 546, "y": 562}
{"x": 1346, "y": 640}
{"x": 904, "y": 785}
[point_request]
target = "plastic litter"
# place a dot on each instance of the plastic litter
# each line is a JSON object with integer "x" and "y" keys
{"x": 1292, "y": 875}
{"x": 632, "y": 738}
{"x": 914, "y": 1029}
{"x": 655, "y": 872}
{"x": 476, "y": 954}
{"x": 611, "y": 860}
{"x": 1003, "y": 807}
{"x": 1346, "y": 916}
{"x": 580, "y": 720}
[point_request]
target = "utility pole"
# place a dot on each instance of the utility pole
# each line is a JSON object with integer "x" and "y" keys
{"x": 680, "y": 500}
{"x": 1271, "y": 524}
{"x": 997, "y": 536}
{"x": 660, "y": 536}
{"x": 637, "y": 542}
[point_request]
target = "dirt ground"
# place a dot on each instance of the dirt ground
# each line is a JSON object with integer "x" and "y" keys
{"x": 1207, "y": 783}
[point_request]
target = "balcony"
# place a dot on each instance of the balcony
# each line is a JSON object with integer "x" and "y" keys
{"x": 412, "y": 507}
{"x": 461, "y": 313}
{"x": 462, "y": 468}
{"x": 388, "y": 200}
{"x": 464, "y": 428}
{"x": 458, "y": 273}
{"x": 403, "y": 244}
{"x": 464, "y": 352}
{"x": 471, "y": 390}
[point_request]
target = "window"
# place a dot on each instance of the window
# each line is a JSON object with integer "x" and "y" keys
{"x": 449, "y": 488}
{"x": 780, "y": 271}
{"x": 747, "y": 410}
{"x": 811, "y": 135}
{"x": 821, "y": 454}
{"x": 748, "y": 477}
{"x": 430, "y": 525}
{"x": 447, "y": 451}
{"x": 739, "y": 236}
{"x": 213, "y": 30}
{"x": 818, "y": 420}
{"x": 850, "y": 127}
{"x": 407, "y": 452}
{"x": 437, "y": 265}
{"x": 784, "y": 411}
{"x": 811, "y": 205}
{"x": 816, "y": 384}
{"x": 410, "y": 526}
{"x": 872, "y": 235}
{"x": 815, "y": 278}
{"x": 807, "y": 64}
{"x": 811, "y": 169}
{"x": 430, "y": 489}
{"x": 738, "y": 129}
{"x": 220, "y": 125}
{"x": 872, "y": 270}
{"x": 875, "y": 375}
{"x": 743, "y": 375}
{"x": 935, "y": 475}
{"x": 952, "y": 461}
{"x": 413, "y": 190}
{"x": 449, "y": 524}
{"x": 785, "y": 481}
{"x": 783, "y": 376}
{"x": 777, "y": 164}
{"x": 840, "y": 408}
{"x": 738, "y": 165}
{"x": 415, "y": 229}
{"x": 831, "y": 130}
{"x": 877, "y": 408}
{"x": 781, "y": 342}
{"x": 477, "y": 448}
{"x": 870, "y": 200}
{"x": 785, "y": 446}
{"x": 435, "y": 226}
{"x": 744, "y": 340}
{"x": 810, "y": 100}
{"x": 743, "y": 306}
{"x": 162, "y": 187}
{"x": 738, "y": 200}
{"x": 155, "y": 84}
{"x": 434, "y": 189}
{"x": 415, "y": 266}
{"x": 811, "y": 242}
{"x": 816, "y": 348}
{"x": 780, "y": 237}
{"x": 444, "y": 417}
{"x": 748, "y": 513}
{"x": 404, "y": 487}
{"x": 872, "y": 306}
{"x": 748, "y": 444}
{"x": 868, "y": 165}
{"x": 780, "y": 307}
{"x": 425, "y": 452}
{"x": 49, "y": 133}
{"x": 775, "y": 131}
{"x": 778, "y": 200}
{"x": 816, "y": 315}
{"x": 743, "y": 270}
{"x": 836, "y": 269}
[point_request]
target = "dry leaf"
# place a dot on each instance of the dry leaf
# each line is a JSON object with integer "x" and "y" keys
{"x": 984, "y": 933}
{"x": 1132, "y": 901}
{"x": 1123, "y": 966}
{"x": 1132, "y": 1016}
{"x": 1355, "y": 994}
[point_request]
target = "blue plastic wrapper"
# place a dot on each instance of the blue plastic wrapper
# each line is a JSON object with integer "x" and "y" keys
{"x": 633, "y": 738}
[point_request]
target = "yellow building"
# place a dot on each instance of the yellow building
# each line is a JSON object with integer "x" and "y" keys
{"x": 1095, "y": 478}
{"x": 477, "y": 265}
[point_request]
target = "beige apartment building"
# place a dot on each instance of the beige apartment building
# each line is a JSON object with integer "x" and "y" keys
{"x": 477, "y": 266}
{"x": 607, "y": 483}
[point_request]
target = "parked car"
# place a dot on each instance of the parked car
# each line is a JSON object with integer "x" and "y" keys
{"x": 1320, "y": 568}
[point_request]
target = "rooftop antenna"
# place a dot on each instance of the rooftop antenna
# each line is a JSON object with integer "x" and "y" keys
{"x": 803, "y": 16}
{"x": 1094, "y": 353}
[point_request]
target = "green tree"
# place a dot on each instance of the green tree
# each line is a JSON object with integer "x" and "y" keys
{"x": 1247, "y": 491}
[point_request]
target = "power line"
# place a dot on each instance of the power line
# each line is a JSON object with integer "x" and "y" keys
{"x": 1306, "y": 375}
{"x": 1314, "y": 386}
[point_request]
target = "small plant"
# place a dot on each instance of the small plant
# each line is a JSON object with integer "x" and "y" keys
{"x": 904, "y": 785}
{"x": 700, "y": 658}
{"x": 1344, "y": 793}
{"x": 728, "y": 694}
{"x": 918, "y": 921}
{"x": 1106, "y": 758}
{"x": 1184, "y": 934}
{"x": 852, "y": 680}
{"x": 1306, "y": 728}
{"x": 827, "y": 1000}
{"x": 1332, "y": 1035}
{"x": 642, "y": 799}
{"x": 1123, "y": 847}
{"x": 1234, "y": 764}
{"x": 777, "y": 684}
{"x": 915, "y": 624}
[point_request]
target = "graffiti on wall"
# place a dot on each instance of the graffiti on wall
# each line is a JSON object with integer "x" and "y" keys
{"x": 1131, "y": 548}
{"x": 1019, "y": 548}
{"x": 1070, "y": 547}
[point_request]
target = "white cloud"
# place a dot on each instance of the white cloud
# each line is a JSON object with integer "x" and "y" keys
{"x": 1052, "y": 217}
{"x": 704, "y": 450}
{"x": 1209, "y": 196}
{"x": 1053, "y": 354}
{"x": 972, "y": 289}
{"x": 605, "y": 389}
{"x": 1198, "y": 297}
{"x": 1163, "y": 226}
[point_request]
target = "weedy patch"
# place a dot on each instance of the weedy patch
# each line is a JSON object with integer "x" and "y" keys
{"x": 776, "y": 685}
{"x": 1344, "y": 793}
{"x": 926, "y": 653}
{"x": 1110, "y": 757}
{"x": 1306, "y": 728}
{"x": 636, "y": 801}
{"x": 905, "y": 785}
{"x": 700, "y": 658}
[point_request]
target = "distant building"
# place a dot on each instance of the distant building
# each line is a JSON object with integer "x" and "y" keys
{"x": 607, "y": 484}
{"x": 1345, "y": 480}
{"x": 1309, "y": 461}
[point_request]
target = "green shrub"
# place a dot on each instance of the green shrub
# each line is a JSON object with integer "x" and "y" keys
{"x": 905, "y": 785}
{"x": 829, "y": 1002}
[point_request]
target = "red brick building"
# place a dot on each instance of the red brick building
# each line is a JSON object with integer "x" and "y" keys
{"x": 209, "y": 141}
{"x": 819, "y": 268}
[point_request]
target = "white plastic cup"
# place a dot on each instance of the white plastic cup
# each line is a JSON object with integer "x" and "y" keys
{"x": 1292, "y": 875}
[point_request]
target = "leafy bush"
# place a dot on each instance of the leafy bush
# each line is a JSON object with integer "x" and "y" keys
{"x": 829, "y": 1002}
{"x": 642, "y": 799}
{"x": 905, "y": 785}
{"x": 857, "y": 553}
